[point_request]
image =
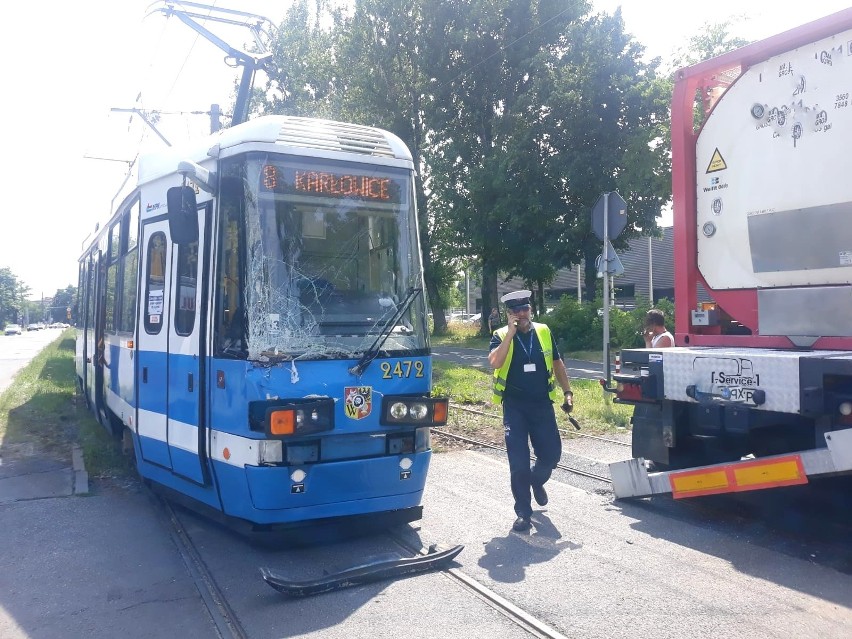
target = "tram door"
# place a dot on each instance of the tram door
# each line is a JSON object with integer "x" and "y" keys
{"x": 99, "y": 355}
{"x": 171, "y": 431}
{"x": 152, "y": 361}
{"x": 187, "y": 434}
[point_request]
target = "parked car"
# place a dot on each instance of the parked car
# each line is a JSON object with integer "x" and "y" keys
{"x": 34, "y": 327}
{"x": 474, "y": 319}
{"x": 13, "y": 329}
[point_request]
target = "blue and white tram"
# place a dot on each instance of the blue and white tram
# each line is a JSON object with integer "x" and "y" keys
{"x": 253, "y": 318}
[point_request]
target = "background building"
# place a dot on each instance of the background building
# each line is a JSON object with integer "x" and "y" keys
{"x": 648, "y": 266}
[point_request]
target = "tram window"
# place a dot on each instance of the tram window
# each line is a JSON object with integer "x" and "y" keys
{"x": 230, "y": 310}
{"x": 155, "y": 283}
{"x": 129, "y": 271}
{"x": 114, "y": 241}
{"x": 187, "y": 278}
{"x": 78, "y": 298}
{"x": 90, "y": 290}
{"x": 133, "y": 227}
{"x": 109, "y": 303}
{"x": 130, "y": 265}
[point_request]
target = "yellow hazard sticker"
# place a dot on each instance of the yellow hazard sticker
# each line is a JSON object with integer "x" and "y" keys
{"x": 717, "y": 163}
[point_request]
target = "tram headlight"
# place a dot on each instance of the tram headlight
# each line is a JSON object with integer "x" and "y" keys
{"x": 414, "y": 411}
{"x": 418, "y": 411}
{"x": 398, "y": 410}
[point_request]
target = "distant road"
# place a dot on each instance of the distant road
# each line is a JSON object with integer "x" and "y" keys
{"x": 16, "y": 351}
{"x": 478, "y": 358}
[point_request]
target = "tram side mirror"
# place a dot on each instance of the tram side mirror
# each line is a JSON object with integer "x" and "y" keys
{"x": 183, "y": 214}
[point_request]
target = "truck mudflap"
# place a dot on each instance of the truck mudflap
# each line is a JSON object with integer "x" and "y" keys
{"x": 631, "y": 478}
{"x": 371, "y": 569}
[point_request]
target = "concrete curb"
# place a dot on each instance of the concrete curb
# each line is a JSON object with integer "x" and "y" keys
{"x": 81, "y": 477}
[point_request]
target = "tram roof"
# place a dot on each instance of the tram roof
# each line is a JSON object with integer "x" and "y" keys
{"x": 286, "y": 131}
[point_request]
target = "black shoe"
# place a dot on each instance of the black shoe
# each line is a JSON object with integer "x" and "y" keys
{"x": 521, "y": 524}
{"x": 540, "y": 495}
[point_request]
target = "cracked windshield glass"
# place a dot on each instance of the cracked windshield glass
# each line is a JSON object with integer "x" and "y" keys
{"x": 317, "y": 259}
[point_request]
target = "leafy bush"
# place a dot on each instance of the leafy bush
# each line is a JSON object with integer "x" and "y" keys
{"x": 575, "y": 325}
{"x": 578, "y": 326}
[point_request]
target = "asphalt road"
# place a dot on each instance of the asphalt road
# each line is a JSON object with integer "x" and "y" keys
{"x": 16, "y": 351}
{"x": 591, "y": 567}
{"x": 478, "y": 358}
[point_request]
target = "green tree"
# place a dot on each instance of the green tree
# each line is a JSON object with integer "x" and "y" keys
{"x": 301, "y": 78}
{"x": 8, "y": 296}
{"x": 494, "y": 60}
{"x": 64, "y": 299}
{"x": 612, "y": 111}
{"x": 711, "y": 40}
{"x": 518, "y": 115}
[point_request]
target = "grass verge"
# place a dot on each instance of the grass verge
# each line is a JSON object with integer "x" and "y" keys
{"x": 470, "y": 388}
{"x": 41, "y": 414}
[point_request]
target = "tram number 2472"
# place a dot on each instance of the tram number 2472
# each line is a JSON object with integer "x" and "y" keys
{"x": 403, "y": 368}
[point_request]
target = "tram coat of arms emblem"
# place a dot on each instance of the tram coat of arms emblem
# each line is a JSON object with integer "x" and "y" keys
{"x": 357, "y": 401}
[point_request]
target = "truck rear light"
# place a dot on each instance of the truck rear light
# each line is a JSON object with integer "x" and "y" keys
{"x": 628, "y": 392}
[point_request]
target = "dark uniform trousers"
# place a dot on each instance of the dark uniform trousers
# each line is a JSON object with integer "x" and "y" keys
{"x": 524, "y": 422}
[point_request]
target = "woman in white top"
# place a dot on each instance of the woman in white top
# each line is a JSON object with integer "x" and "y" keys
{"x": 656, "y": 335}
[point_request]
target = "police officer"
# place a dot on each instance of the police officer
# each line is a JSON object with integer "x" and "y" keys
{"x": 529, "y": 377}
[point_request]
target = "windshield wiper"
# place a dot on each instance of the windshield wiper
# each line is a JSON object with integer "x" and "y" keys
{"x": 371, "y": 353}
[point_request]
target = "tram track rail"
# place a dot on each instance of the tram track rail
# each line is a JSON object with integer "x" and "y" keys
{"x": 534, "y": 626}
{"x": 222, "y": 616}
{"x": 484, "y": 444}
{"x": 228, "y": 626}
{"x": 561, "y": 430}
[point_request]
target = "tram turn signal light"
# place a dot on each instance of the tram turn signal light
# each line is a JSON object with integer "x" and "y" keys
{"x": 282, "y": 422}
{"x": 292, "y": 417}
{"x": 440, "y": 416}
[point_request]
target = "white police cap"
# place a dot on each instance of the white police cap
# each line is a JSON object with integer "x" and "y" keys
{"x": 517, "y": 299}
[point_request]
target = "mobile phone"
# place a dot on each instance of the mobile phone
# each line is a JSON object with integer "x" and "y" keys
{"x": 516, "y": 322}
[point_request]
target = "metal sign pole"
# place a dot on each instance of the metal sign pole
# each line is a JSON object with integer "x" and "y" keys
{"x": 605, "y": 268}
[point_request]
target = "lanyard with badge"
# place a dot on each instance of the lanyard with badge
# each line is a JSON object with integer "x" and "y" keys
{"x": 530, "y": 367}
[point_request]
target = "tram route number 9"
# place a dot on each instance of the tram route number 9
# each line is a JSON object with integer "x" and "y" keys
{"x": 402, "y": 369}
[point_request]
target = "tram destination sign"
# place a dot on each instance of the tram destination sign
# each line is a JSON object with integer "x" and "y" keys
{"x": 326, "y": 183}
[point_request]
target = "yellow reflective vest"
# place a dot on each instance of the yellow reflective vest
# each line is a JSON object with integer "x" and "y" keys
{"x": 542, "y": 331}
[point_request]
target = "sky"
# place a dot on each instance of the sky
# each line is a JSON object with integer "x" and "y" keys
{"x": 69, "y": 63}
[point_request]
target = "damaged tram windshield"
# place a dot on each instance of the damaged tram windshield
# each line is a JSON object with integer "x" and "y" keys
{"x": 314, "y": 258}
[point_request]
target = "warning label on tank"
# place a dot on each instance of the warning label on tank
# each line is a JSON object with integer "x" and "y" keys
{"x": 717, "y": 163}
{"x": 845, "y": 258}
